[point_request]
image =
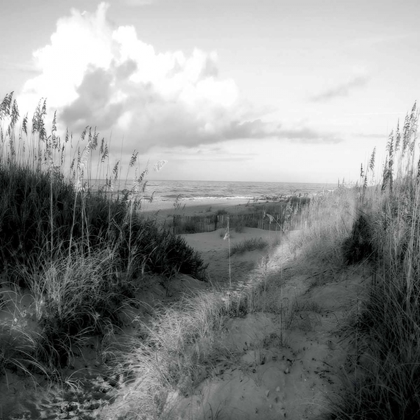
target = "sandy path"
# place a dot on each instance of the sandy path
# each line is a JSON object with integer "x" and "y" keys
{"x": 289, "y": 362}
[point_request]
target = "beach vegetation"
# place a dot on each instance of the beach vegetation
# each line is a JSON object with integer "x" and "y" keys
{"x": 222, "y": 212}
{"x": 75, "y": 252}
{"x": 238, "y": 225}
{"x": 248, "y": 245}
{"x": 190, "y": 226}
{"x": 385, "y": 330}
{"x": 359, "y": 245}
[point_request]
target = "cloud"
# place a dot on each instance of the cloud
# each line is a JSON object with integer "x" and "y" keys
{"x": 341, "y": 90}
{"x": 98, "y": 74}
{"x": 375, "y": 40}
{"x": 7, "y": 65}
{"x": 368, "y": 114}
{"x": 136, "y": 3}
{"x": 308, "y": 135}
{"x": 207, "y": 153}
{"x": 258, "y": 129}
{"x": 370, "y": 136}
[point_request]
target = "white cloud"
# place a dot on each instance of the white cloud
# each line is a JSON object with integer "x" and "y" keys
{"x": 342, "y": 89}
{"x": 98, "y": 74}
{"x": 136, "y": 3}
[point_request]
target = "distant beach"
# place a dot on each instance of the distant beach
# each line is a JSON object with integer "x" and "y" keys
{"x": 193, "y": 197}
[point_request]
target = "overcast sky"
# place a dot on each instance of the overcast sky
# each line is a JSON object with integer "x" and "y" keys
{"x": 252, "y": 90}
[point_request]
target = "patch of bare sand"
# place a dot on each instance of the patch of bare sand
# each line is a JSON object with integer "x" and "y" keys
{"x": 290, "y": 362}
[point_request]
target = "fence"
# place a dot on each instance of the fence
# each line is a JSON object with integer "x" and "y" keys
{"x": 196, "y": 224}
{"x": 281, "y": 213}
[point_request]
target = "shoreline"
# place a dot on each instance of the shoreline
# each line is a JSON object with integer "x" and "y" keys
{"x": 206, "y": 207}
{"x": 192, "y": 208}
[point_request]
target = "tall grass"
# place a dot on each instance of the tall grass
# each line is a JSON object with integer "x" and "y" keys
{"x": 80, "y": 252}
{"x": 386, "y": 380}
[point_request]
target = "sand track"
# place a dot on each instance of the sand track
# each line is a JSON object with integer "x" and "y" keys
{"x": 285, "y": 370}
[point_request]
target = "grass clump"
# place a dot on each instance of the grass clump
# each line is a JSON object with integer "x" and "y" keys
{"x": 238, "y": 225}
{"x": 359, "y": 245}
{"x": 222, "y": 212}
{"x": 248, "y": 245}
{"x": 73, "y": 299}
{"x": 40, "y": 214}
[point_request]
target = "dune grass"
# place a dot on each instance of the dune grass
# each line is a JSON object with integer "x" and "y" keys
{"x": 248, "y": 245}
{"x": 78, "y": 252}
{"x": 385, "y": 333}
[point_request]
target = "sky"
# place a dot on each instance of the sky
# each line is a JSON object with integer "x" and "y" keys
{"x": 234, "y": 90}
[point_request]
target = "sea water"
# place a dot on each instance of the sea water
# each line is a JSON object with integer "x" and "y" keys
{"x": 196, "y": 192}
{"x": 222, "y": 190}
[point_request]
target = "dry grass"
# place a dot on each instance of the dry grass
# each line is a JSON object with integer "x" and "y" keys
{"x": 386, "y": 331}
{"x": 78, "y": 252}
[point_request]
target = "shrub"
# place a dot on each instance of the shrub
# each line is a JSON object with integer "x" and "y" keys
{"x": 190, "y": 227}
{"x": 238, "y": 224}
{"x": 90, "y": 222}
{"x": 248, "y": 245}
{"x": 359, "y": 246}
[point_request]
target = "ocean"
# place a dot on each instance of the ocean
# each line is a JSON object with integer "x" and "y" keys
{"x": 198, "y": 192}
{"x": 225, "y": 190}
